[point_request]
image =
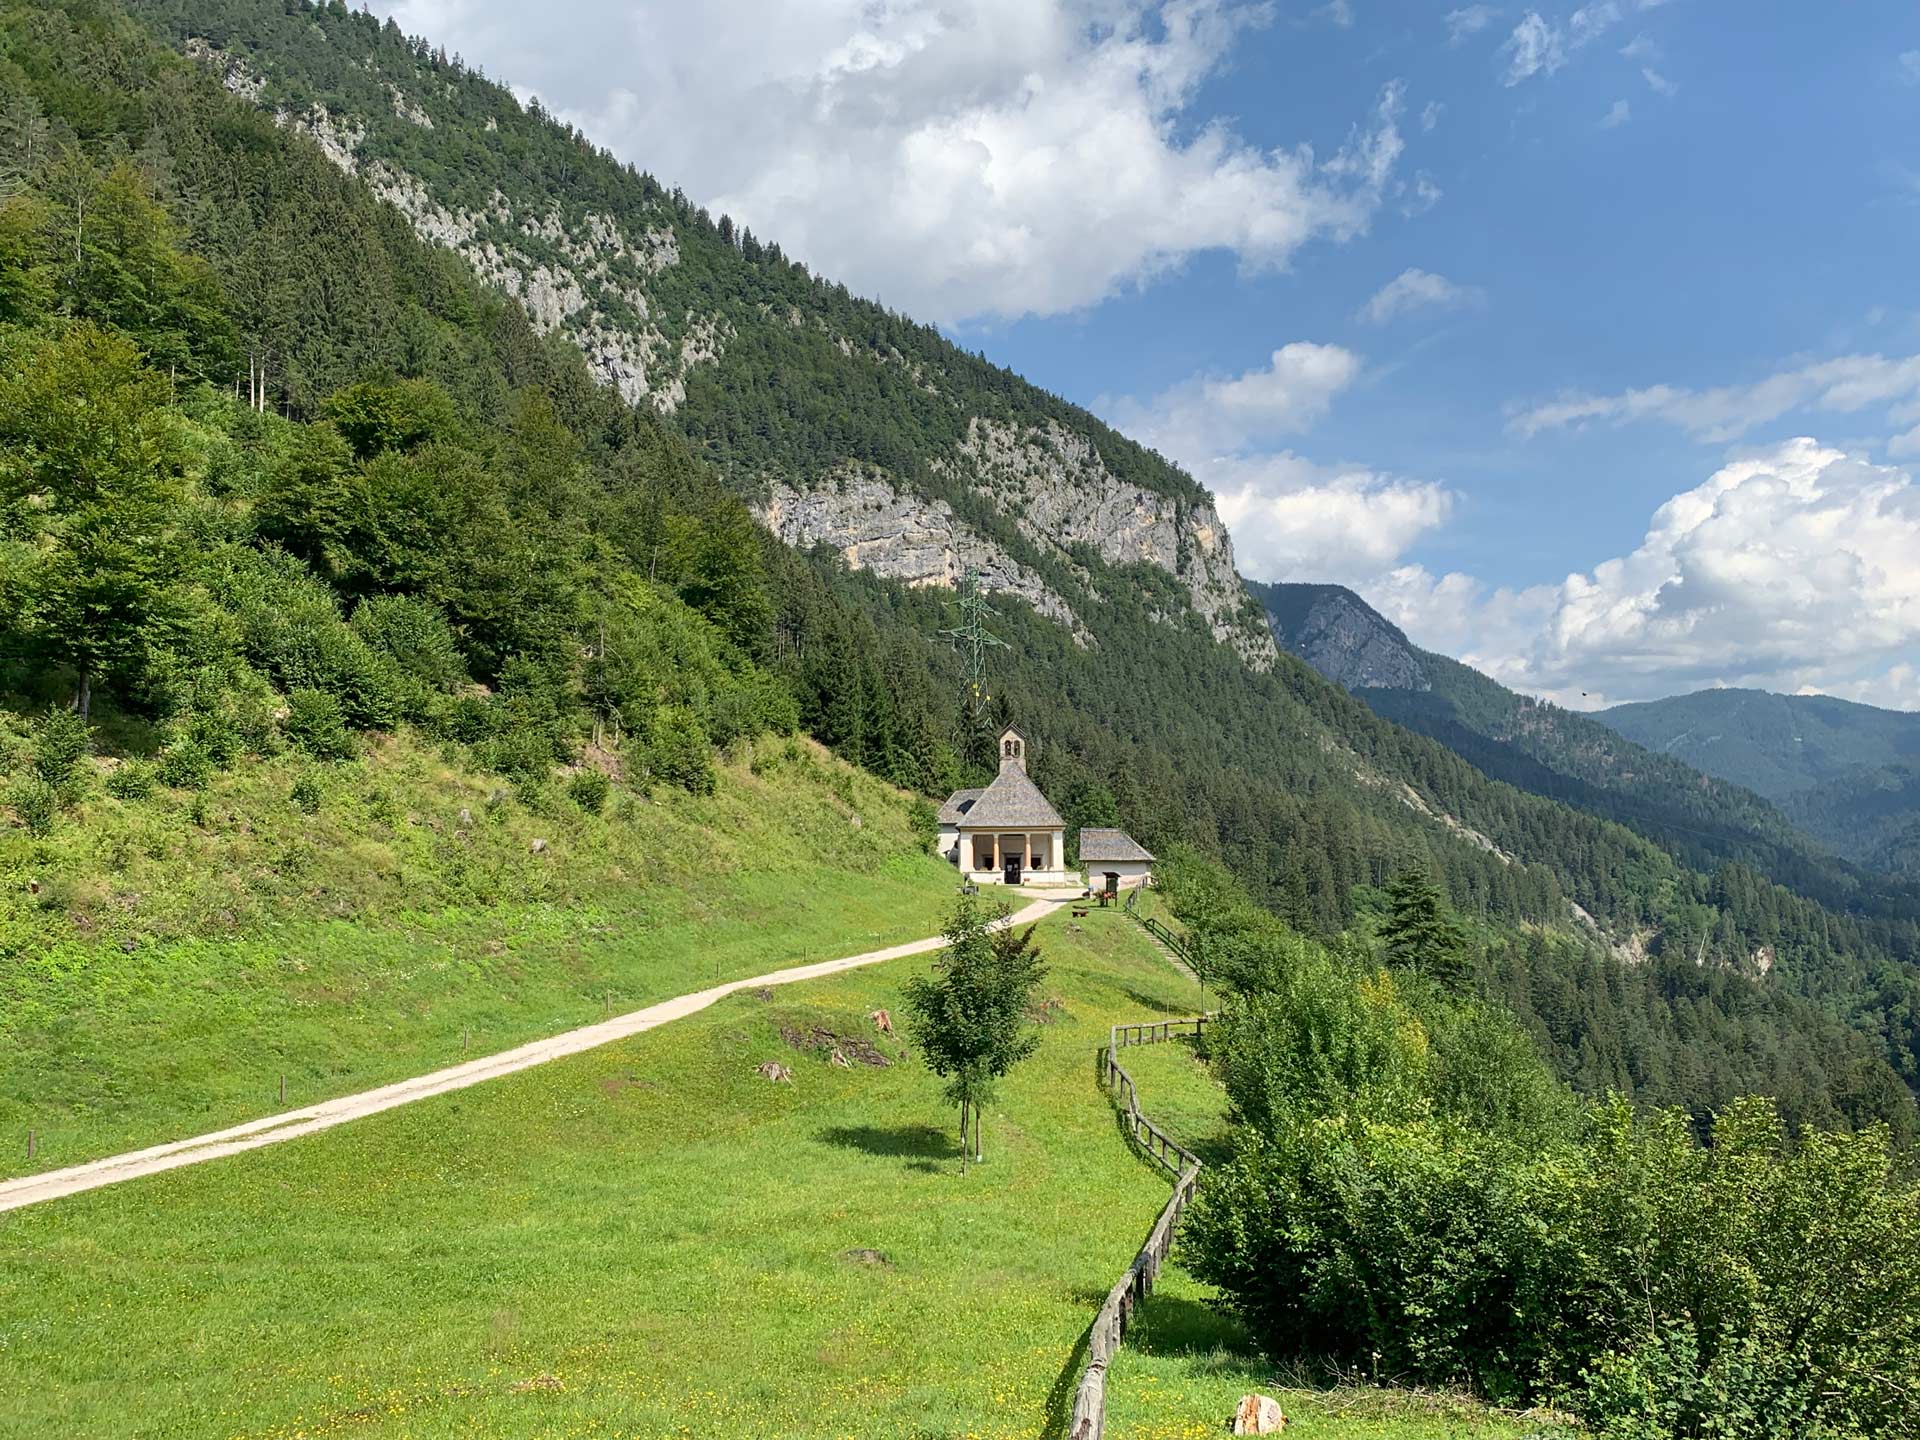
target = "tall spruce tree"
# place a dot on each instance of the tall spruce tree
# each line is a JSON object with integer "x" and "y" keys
{"x": 1421, "y": 933}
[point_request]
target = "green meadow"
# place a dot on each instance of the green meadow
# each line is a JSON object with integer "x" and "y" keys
{"x": 648, "y": 1240}
{"x": 165, "y": 961}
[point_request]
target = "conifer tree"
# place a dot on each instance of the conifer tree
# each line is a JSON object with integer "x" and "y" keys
{"x": 1421, "y": 933}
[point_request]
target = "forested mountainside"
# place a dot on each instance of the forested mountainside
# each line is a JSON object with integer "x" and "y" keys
{"x": 1704, "y": 815}
{"x": 403, "y": 504}
{"x": 840, "y": 421}
{"x": 1847, "y": 773}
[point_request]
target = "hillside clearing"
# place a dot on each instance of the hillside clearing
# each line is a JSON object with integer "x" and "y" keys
{"x": 105, "y": 1048}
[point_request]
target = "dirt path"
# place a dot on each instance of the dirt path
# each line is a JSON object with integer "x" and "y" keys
{"x": 271, "y": 1130}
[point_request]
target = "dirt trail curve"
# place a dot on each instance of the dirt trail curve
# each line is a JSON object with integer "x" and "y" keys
{"x": 272, "y": 1129}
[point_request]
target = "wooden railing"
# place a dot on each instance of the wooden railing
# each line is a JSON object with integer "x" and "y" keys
{"x": 1089, "y": 1419}
{"x": 1166, "y": 937}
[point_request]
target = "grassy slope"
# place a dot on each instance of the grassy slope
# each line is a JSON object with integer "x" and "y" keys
{"x": 1185, "y": 1365}
{"x": 651, "y": 1224}
{"x": 166, "y": 973}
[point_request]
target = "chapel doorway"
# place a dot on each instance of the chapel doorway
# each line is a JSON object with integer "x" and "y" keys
{"x": 1012, "y": 875}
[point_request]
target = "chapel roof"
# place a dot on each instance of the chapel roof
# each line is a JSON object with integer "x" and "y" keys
{"x": 1110, "y": 845}
{"x": 957, "y": 806}
{"x": 1012, "y": 801}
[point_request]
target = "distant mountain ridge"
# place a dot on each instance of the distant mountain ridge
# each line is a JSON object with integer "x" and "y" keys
{"x": 1702, "y": 813}
{"x": 1848, "y": 774}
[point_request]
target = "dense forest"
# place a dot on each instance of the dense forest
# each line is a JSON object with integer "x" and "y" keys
{"x": 278, "y": 471}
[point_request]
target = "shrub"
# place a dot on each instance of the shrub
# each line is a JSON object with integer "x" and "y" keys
{"x": 415, "y": 636}
{"x": 679, "y": 752}
{"x": 131, "y": 781}
{"x": 589, "y": 790}
{"x": 61, "y": 740}
{"x": 1408, "y": 1192}
{"x": 35, "y": 802}
{"x": 184, "y": 764}
{"x": 925, "y": 821}
{"x": 315, "y": 724}
{"x": 306, "y": 795}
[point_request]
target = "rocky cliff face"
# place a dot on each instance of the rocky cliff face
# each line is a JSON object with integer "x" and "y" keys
{"x": 901, "y": 536}
{"x": 1063, "y": 501}
{"x": 1342, "y": 637}
{"x": 1052, "y": 483}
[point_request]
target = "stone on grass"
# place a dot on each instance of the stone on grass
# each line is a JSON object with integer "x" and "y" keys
{"x": 1258, "y": 1415}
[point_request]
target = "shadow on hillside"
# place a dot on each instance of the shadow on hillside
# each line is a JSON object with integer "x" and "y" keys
{"x": 923, "y": 1145}
{"x": 1171, "y": 1325}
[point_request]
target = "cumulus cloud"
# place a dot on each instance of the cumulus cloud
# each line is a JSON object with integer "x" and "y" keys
{"x": 1001, "y": 158}
{"x": 1291, "y": 517}
{"x": 1658, "y": 83}
{"x": 1208, "y": 416}
{"x": 1619, "y": 115}
{"x": 1412, "y": 290}
{"x": 1847, "y": 384}
{"x": 1792, "y": 567}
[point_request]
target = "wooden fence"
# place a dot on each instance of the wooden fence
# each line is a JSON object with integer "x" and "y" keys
{"x": 1103, "y": 1341}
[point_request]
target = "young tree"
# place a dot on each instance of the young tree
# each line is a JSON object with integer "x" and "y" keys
{"x": 969, "y": 1018}
{"x": 90, "y": 470}
{"x": 1421, "y": 933}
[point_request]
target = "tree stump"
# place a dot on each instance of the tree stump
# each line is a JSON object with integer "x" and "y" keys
{"x": 1258, "y": 1415}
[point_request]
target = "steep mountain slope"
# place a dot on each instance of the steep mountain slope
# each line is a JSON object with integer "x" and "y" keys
{"x": 842, "y": 423}
{"x": 1847, "y": 773}
{"x": 1142, "y": 715}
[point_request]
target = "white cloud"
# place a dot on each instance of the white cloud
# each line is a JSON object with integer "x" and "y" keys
{"x": 1421, "y": 196}
{"x": 1641, "y": 47}
{"x": 1469, "y": 20}
{"x": 1845, "y": 385}
{"x": 1534, "y": 47}
{"x": 1208, "y": 416}
{"x": 1292, "y": 517}
{"x": 1795, "y": 566}
{"x": 1657, "y": 82}
{"x": 1000, "y": 158}
{"x": 1337, "y": 12}
{"x": 1412, "y": 289}
{"x": 1910, "y": 66}
{"x": 1430, "y": 115}
{"x": 1617, "y": 116}
{"x": 1537, "y": 46}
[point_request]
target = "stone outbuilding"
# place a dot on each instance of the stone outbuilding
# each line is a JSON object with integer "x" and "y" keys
{"x": 1113, "y": 860}
{"x": 1007, "y": 833}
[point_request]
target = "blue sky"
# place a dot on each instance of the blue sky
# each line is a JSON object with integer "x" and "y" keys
{"x": 1579, "y": 338}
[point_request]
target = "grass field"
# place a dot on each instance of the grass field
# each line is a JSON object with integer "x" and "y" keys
{"x": 649, "y": 1240}
{"x": 160, "y": 972}
{"x": 646, "y": 1240}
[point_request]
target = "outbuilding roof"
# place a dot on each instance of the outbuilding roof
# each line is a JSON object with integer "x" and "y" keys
{"x": 1097, "y": 846}
{"x": 955, "y": 810}
{"x": 1013, "y": 802}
